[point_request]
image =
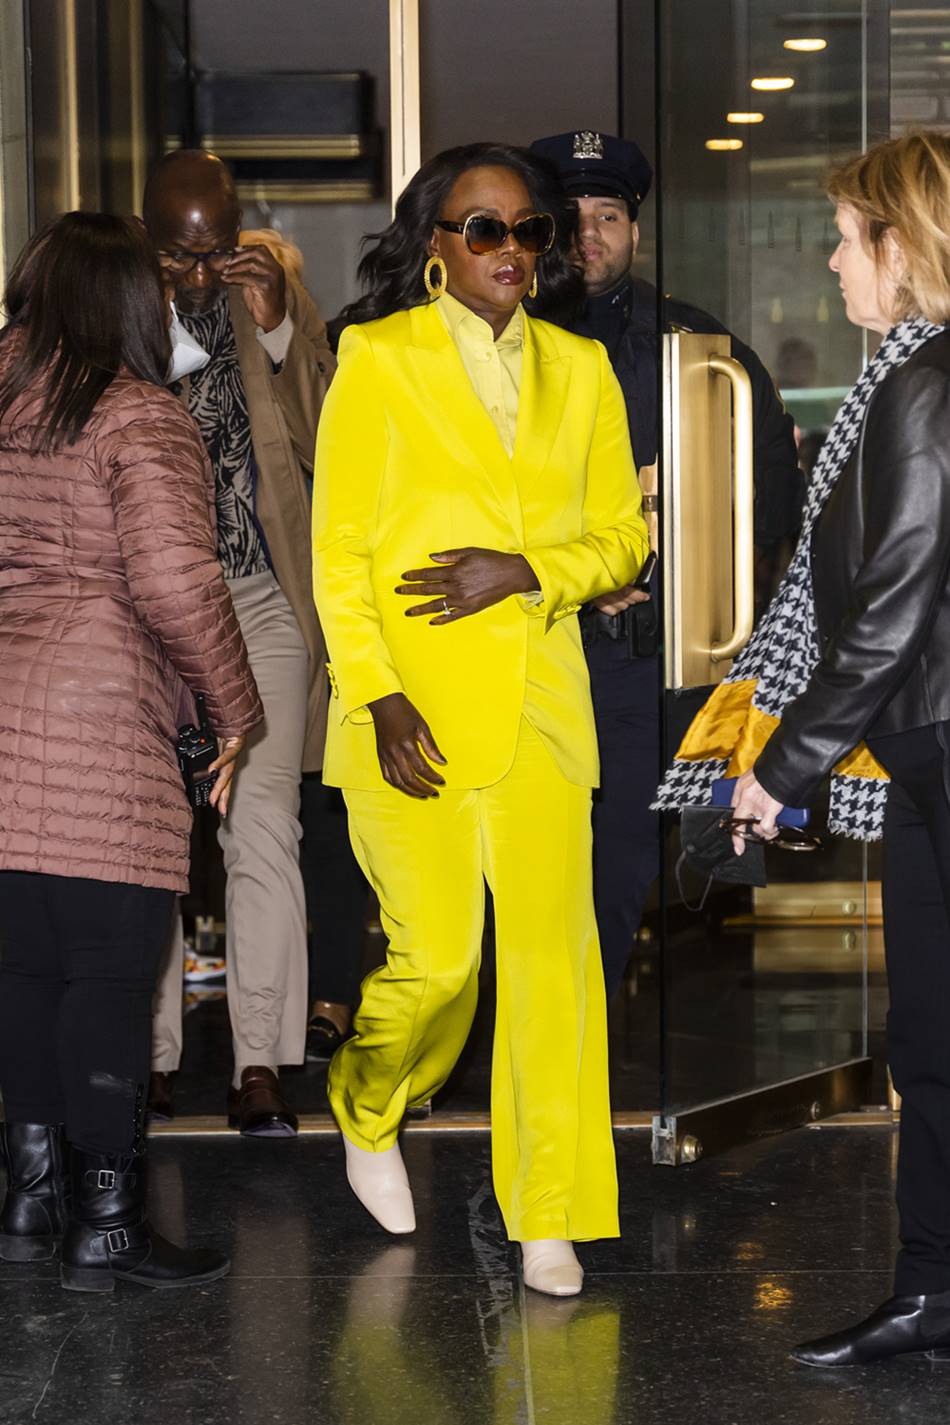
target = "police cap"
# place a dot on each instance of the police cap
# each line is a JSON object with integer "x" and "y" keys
{"x": 590, "y": 164}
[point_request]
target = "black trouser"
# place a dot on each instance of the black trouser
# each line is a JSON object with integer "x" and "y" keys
{"x": 625, "y": 694}
{"x": 336, "y": 894}
{"x": 916, "y": 888}
{"x": 78, "y": 964}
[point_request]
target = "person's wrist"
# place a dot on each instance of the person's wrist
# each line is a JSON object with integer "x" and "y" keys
{"x": 380, "y": 705}
{"x": 524, "y": 578}
{"x": 269, "y": 322}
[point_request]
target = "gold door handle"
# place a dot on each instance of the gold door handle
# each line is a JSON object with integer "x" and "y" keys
{"x": 743, "y": 494}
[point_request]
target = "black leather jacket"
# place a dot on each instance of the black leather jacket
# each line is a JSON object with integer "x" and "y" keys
{"x": 881, "y": 563}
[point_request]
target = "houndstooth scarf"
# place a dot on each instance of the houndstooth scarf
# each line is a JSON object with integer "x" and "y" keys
{"x": 784, "y": 650}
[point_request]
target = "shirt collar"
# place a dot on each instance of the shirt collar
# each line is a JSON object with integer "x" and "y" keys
{"x": 461, "y": 319}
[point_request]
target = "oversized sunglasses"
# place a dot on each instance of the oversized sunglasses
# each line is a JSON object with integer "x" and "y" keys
{"x": 787, "y": 838}
{"x": 483, "y": 234}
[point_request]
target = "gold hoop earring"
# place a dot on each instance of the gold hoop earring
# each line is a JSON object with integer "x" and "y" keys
{"x": 433, "y": 289}
{"x": 533, "y": 289}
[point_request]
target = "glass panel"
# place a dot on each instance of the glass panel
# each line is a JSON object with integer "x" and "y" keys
{"x": 14, "y": 142}
{"x": 264, "y": 96}
{"x": 516, "y": 72}
{"x": 763, "y": 986}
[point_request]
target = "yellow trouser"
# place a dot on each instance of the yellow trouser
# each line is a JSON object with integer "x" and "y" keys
{"x": 529, "y": 835}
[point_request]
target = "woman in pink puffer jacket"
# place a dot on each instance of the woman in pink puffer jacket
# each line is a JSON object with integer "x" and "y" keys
{"x": 113, "y": 612}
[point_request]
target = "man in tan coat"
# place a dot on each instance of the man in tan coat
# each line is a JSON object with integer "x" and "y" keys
{"x": 256, "y": 402}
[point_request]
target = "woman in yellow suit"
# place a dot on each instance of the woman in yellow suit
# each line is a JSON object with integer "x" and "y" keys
{"x": 474, "y": 484}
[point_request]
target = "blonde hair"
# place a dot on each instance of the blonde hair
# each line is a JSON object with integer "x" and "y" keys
{"x": 903, "y": 186}
{"x": 287, "y": 253}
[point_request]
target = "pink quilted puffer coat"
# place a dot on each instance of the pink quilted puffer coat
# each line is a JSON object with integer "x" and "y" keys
{"x": 112, "y": 603}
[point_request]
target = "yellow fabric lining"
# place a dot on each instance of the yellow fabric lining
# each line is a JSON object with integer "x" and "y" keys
{"x": 729, "y": 726}
{"x": 862, "y": 763}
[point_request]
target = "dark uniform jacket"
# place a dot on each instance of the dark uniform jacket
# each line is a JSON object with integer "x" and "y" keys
{"x": 625, "y": 320}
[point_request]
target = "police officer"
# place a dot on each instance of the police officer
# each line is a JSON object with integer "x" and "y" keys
{"x": 609, "y": 178}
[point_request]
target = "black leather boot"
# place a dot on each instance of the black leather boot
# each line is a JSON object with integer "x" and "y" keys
{"x": 898, "y": 1327}
{"x": 108, "y": 1238}
{"x": 33, "y": 1216}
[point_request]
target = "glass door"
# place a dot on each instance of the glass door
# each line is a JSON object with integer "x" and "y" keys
{"x": 764, "y": 992}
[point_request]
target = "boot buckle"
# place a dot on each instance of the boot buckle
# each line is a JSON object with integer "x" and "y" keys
{"x": 105, "y": 1180}
{"x": 118, "y": 1240}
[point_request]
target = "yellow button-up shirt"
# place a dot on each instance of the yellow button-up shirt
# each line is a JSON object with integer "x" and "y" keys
{"x": 493, "y": 367}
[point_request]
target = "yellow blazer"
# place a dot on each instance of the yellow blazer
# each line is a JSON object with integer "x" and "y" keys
{"x": 409, "y": 463}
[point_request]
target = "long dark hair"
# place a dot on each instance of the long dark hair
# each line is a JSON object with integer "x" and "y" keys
{"x": 87, "y": 292}
{"x": 391, "y": 269}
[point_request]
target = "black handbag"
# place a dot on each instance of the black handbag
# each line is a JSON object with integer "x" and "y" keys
{"x": 706, "y": 847}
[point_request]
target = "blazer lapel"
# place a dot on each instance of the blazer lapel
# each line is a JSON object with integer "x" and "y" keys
{"x": 457, "y": 416}
{"x": 545, "y": 375}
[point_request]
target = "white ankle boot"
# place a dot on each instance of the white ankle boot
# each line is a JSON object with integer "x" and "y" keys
{"x": 551, "y": 1266}
{"x": 382, "y": 1186}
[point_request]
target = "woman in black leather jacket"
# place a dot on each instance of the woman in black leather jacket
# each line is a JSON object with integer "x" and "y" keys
{"x": 880, "y": 579}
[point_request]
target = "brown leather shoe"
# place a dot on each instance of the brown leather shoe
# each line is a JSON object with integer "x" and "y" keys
{"x": 258, "y": 1109}
{"x": 160, "y": 1105}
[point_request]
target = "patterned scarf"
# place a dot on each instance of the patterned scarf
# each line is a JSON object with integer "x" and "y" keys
{"x": 218, "y": 401}
{"x": 778, "y": 662}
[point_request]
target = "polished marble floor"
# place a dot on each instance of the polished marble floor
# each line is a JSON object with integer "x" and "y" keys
{"x": 324, "y": 1321}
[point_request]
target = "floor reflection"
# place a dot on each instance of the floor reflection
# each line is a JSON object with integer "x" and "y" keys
{"x": 387, "y": 1368}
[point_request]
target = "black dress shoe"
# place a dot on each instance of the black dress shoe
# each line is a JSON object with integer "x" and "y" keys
{"x": 109, "y": 1238}
{"x": 898, "y": 1327}
{"x": 323, "y": 1039}
{"x": 258, "y": 1109}
{"x": 160, "y": 1105}
{"x": 33, "y": 1216}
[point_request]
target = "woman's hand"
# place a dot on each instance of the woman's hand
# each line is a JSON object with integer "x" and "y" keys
{"x": 403, "y": 743}
{"x": 230, "y": 749}
{"x": 468, "y": 581}
{"x": 750, "y": 800}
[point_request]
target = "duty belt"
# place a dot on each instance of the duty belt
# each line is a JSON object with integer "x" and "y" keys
{"x": 595, "y": 625}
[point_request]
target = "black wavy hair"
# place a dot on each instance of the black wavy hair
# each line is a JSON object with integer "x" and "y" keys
{"x": 391, "y": 269}
{"x": 87, "y": 292}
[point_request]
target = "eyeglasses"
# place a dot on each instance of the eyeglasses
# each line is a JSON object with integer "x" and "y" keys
{"x": 181, "y": 261}
{"x": 483, "y": 234}
{"x": 789, "y": 838}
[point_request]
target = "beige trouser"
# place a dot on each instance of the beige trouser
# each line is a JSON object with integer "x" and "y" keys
{"x": 264, "y": 901}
